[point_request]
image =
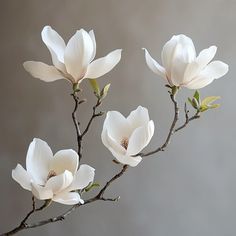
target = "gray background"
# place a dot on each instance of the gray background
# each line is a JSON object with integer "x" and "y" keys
{"x": 190, "y": 189}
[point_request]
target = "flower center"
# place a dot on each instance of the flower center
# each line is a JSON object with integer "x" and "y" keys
{"x": 124, "y": 143}
{"x": 51, "y": 174}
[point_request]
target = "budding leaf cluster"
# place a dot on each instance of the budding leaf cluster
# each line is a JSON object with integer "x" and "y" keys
{"x": 205, "y": 104}
{"x": 100, "y": 94}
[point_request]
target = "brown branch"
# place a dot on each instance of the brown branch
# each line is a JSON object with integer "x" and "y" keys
{"x": 79, "y": 134}
{"x": 76, "y": 123}
{"x": 94, "y": 115}
{"x": 187, "y": 118}
{"x": 23, "y": 224}
{"x": 171, "y": 131}
{"x": 99, "y": 197}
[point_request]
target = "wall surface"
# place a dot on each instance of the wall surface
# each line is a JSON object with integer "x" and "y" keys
{"x": 190, "y": 189}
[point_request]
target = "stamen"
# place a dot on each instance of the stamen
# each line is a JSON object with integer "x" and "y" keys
{"x": 51, "y": 174}
{"x": 124, "y": 143}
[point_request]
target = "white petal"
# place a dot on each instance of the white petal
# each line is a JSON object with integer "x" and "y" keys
{"x": 112, "y": 144}
{"x": 22, "y": 177}
{"x": 138, "y": 117}
{"x": 42, "y": 71}
{"x": 178, "y": 70}
{"x": 168, "y": 53}
{"x": 127, "y": 160}
{"x": 116, "y": 125}
{"x": 188, "y": 52}
{"x": 83, "y": 177}
{"x": 65, "y": 160}
{"x": 54, "y": 42}
{"x": 194, "y": 68}
{"x": 60, "y": 182}
{"x": 214, "y": 70}
{"x": 205, "y": 56}
{"x": 91, "y": 34}
{"x": 68, "y": 198}
{"x": 140, "y": 138}
{"x": 153, "y": 65}
{"x": 103, "y": 65}
{"x": 119, "y": 152}
{"x": 41, "y": 193}
{"x": 38, "y": 159}
{"x": 78, "y": 54}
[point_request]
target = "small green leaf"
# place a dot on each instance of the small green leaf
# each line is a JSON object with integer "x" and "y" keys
{"x": 195, "y": 103}
{"x": 95, "y": 86}
{"x": 190, "y": 101}
{"x": 214, "y": 106}
{"x": 197, "y": 96}
{"x": 104, "y": 91}
{"x": 91, "y": 186}
{"x": 203, "y": 108}
{"x": 209, "y": 100}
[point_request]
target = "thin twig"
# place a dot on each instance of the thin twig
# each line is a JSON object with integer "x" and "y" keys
{"x": 23, "y": 224}
{"x": 98, "y": 197}
{"x": 76, "y": 123}
{"x": 171, "y": 131}
{"x": 187, "y": 118}
{"x": 94, "y": 115}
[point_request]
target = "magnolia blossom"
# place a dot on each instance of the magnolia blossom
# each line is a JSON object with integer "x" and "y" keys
{"x": 126, "y": 137}
{"x": 181, "y": 66}
{"x": 73, "y": 61}
{"x": 53, "y": 177}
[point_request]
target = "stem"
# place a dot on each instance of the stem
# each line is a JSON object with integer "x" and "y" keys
{"x": 94, "y": 115}
{"x": 23, "y": 225}
{"x": 187, "y": 118}
{"x": 171, "y": 131}
{"x": 76, "y": 123}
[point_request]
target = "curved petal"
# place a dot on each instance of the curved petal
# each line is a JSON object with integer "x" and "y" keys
{"x": 41, "y": 193}
{"x": 103, "y": 65}
{"x": 68, "y": 198}
{"x": 194, "y": 68}
{"x": 112, "y": 144}
{"x": 38, "y": 160}
{"x": 140, "y": 138}
{"x": 127, "y": 160}
{"x": 138, "y": 117}
{"x": 54, "y": 43}
{"x": 116, "y": 125}
{"x": 42, "y": 71}
{"x": 214, "y": 70}
{"x": 205, "y": 56}
{"x": 178, "y": 71}
{"x": 168, "y": 53}
{"x": 92, "y": 36}
{"x": 22, "y": 177}
{"x": 78, "y": 54}
{"x": 83, "y": 177}
{"x": 60, "y": 182}
{"x": 153, "y": 65}
{"x": 119, "y": 152}
{"x": 65, "y": 160}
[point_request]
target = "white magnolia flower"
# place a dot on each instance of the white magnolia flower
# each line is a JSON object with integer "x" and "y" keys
{"x": 73, "y": 61}
{"x": 181, "y": 66}
{"x": 126, "y": 137}
{"x": 53, "y": 177}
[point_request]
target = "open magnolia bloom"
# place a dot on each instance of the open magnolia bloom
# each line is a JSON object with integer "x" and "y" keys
{"x": 126, "y": 137}
{"x": 53, "y": 177}
{"x": 181, "y": 67}
{"x": 73, "y": 61}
